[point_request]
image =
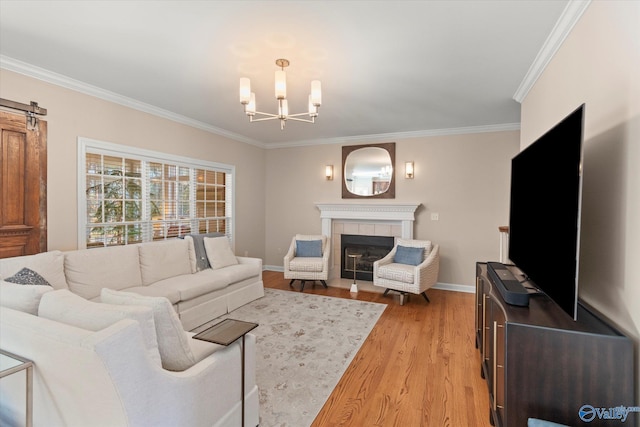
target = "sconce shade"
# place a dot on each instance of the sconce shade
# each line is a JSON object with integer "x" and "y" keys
{"x": 328, "y": 171}
{"x": 408, "y": 170}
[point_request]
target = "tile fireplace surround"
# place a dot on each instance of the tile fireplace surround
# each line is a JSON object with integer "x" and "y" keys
{"x": 366, "y": 219}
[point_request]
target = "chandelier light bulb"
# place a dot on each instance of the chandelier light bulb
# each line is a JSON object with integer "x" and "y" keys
{"x": 316, "y": 93}
{"x": 245, "y": 90}
{"x": 250, "y": 108}
{"x": 313, "y": 110}
{"x": 283, "y": 109}
{"x": 281, "y": 84}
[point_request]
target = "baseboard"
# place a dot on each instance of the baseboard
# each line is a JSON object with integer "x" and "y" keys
{"x": 455, "y": 288}
{"x": 441, "y": 286}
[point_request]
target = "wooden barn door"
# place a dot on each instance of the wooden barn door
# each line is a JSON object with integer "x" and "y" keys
{"x": 23, "y": 186}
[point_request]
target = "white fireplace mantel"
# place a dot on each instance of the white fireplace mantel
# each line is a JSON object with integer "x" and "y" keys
{"x": 402, "y": 213}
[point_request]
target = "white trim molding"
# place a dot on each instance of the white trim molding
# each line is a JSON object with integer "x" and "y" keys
{"x": 403, "y": 213}
{"x": 568, "y": 19}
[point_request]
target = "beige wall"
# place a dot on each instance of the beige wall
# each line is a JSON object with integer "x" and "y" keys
{"x": 72, "y": 114}
{"x": 599, "y": 64}
{"x": 464, "y": 178}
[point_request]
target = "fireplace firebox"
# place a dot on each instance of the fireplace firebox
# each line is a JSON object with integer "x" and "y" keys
{"x": 370, "y": 249}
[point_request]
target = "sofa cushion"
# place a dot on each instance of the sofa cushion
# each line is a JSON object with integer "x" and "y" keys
{"x": 398, "y": 272}
{"x": 24, "y": 298}
{"x": 312, "y": 264}
{"x": 175, "y": 353}
{"x": 160, "y": 260}
{"x": 192, "y": 285}
{"x": 219, "y": 252}
{"x": 153, "y": 291}
{"x": 66, "y": 307}
{"x": 49, "y": 265}
{"x": 90, "y": 270}
{"x": 234, "y": 273}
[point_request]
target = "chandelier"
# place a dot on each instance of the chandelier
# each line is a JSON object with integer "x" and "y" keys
{"x": 248, "y": 99}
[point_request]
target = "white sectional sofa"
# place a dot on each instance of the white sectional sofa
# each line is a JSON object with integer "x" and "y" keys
{"x": 166, "y": 268}
{"x": 111, "y": 376}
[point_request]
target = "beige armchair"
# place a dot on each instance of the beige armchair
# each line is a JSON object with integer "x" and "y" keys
{"x": 307, "y": 259}
{"x": 396, "y": 273}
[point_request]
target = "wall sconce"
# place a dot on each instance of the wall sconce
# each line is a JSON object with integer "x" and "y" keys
{"x": 408, "y": 170}
{"x": 328, "y": 172}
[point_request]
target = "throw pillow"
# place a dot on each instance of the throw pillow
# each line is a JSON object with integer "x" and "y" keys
{"x": 27, "y": 276}
{"x": 175, "y": 353}
{"x": 409, "y": 256}
{"x": 66, "y": 307}
{"x": 219, "y": 252}
{"x": 309, "y": 248}
{"x": 24, "y": 298}
{"x": 202, "y": 262}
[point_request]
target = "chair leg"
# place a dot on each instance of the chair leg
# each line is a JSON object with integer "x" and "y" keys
{"x": 324, "y": 284}
{"x": 302, "y": 287}
{"x": 291, "y": 283}
{"x": 425, "y": 296}
{"x": 402, "y": 295}
{"x": 386, "y": 291}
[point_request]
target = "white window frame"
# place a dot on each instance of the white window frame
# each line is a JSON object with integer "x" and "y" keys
{"x": 107, "y": 148}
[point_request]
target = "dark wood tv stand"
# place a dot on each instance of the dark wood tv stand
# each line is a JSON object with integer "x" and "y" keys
{"x": 539, "y": 363}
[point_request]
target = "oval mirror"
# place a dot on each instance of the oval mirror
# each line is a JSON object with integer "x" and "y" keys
{"x": 368, "y": 171}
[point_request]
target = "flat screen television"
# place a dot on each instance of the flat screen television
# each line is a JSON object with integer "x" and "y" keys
{"x": 544, "y": 214}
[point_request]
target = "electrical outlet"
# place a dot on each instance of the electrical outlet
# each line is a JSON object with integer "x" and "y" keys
{"x": 435, "y": 216}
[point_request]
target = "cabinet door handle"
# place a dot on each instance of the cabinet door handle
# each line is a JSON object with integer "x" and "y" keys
{"x": 495, "y": 365}
{"x": 484, "y": 327}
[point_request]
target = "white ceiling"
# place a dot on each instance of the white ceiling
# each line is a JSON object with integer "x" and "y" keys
{"x": 387, "y": 68}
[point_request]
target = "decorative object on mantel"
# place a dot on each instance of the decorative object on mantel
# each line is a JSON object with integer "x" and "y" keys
{"x": 328, "y": 172}
{"x": 248, "y": 99}
{"x": 369, "y": 171}
{"x": 408, "y": 170}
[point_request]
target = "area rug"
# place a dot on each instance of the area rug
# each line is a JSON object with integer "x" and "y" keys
{"x": 305, "y": 343}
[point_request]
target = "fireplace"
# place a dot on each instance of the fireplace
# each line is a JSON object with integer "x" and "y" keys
{"x": 369, "y": 249}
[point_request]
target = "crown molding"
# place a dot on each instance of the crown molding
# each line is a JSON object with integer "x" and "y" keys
{"x": 568, "y": 19}
{"x": 47, "y": 76}
{"x": 386, "y": 137}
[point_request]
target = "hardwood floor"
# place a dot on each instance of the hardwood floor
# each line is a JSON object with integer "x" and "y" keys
{"x": 418, "y": 367}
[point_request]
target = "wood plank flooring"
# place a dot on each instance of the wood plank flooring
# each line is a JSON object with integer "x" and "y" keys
{"x": 418, "y": 367}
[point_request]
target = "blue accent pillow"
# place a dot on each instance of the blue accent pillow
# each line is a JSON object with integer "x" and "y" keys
{"x": 409, "y": 256}
{"x": 309, "y": 248}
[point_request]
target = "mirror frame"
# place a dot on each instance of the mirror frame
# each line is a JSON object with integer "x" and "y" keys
{"x": 389, "y": 147}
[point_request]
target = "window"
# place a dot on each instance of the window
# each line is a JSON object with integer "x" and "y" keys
{"x": 128, "y": 195}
